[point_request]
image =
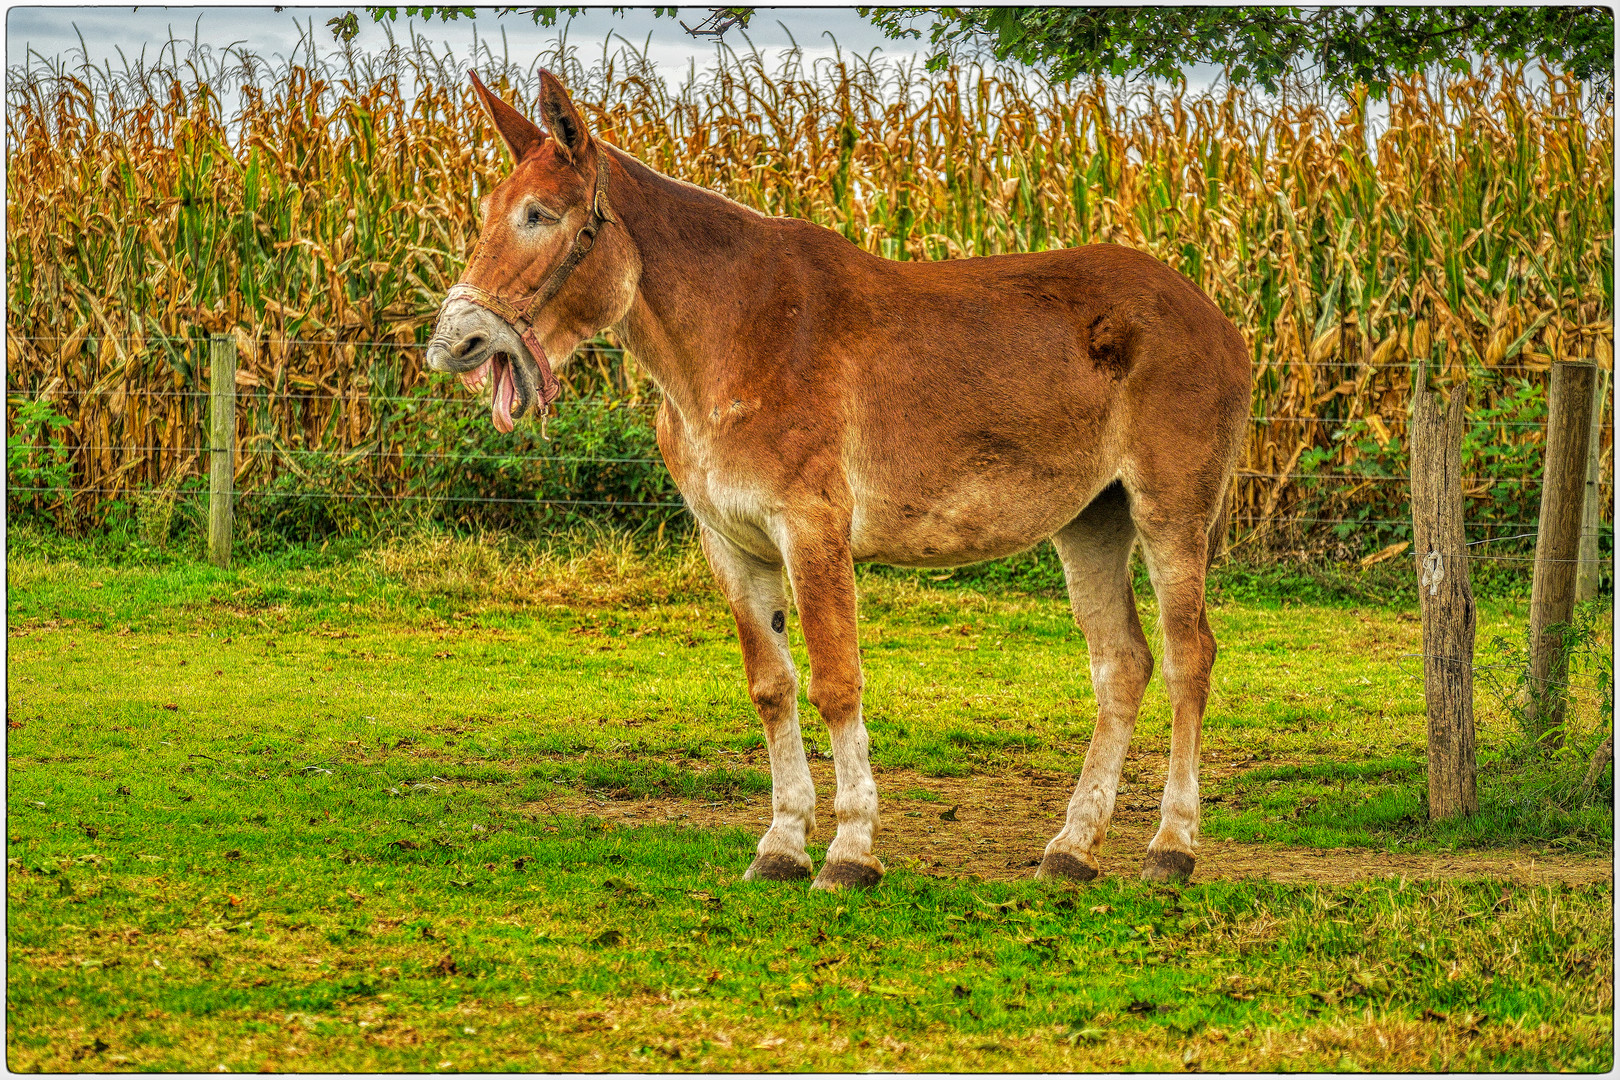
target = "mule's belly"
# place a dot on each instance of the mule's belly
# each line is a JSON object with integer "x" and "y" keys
{"x": 910, "y": 504}
{"x": 969, "y": 517}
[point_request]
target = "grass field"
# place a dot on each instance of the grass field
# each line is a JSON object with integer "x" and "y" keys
{"x": 444, "y": 805}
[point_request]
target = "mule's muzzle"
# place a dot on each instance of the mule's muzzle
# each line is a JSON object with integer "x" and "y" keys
{"x": 468, "y": 341}
{"x": 468, "y": 354}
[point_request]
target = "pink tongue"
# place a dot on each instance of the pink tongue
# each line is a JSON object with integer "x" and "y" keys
{"x": 504, "y": 397}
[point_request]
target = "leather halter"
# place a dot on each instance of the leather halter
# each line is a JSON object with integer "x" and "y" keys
{"x": 521, "y": 318}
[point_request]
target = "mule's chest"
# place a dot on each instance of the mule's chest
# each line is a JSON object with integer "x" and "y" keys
{"x": 724, "y": 486}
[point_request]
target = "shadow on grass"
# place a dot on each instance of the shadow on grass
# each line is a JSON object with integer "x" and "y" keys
{"x": 634, "y": 779}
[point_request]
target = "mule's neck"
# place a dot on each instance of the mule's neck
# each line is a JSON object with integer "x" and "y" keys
{"x": 699, "y": 251}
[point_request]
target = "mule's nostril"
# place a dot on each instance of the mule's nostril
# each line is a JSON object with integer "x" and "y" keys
{"x": 468, "y": 346}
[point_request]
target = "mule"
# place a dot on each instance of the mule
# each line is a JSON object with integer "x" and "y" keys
{"x": 824, "y": 407}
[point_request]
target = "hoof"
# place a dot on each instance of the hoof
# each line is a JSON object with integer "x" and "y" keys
{"x": 1167, "y": 866}
{"x": 848, "y": 875}
{"x": 776, "y": 868}
{"x": 1062, "y": 865}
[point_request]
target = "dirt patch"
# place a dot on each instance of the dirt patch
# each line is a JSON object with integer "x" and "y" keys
{"x": 1002, "y": 824}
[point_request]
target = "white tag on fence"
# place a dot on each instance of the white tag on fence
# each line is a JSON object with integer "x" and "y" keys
{"x": 1433, "y": 571}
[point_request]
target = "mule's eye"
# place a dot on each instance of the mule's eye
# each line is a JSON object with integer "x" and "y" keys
{"x": 537, "y": 216}
{"x": 534, "y": 217}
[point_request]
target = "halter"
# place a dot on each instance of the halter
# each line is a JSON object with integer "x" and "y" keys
{"x": 522, "y": 319}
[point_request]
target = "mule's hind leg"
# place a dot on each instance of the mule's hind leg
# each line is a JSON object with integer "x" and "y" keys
{"x": 1177, "y": 556}
{"x": 1096, "y": 552}
{"x": 759, "y": 604}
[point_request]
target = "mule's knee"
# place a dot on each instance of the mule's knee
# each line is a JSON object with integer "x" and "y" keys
{"x": 1138, "y": 667}
{"x": 836, "y": 699}
{"x": 1122, "y": 674}
{"x": 774, "y": 695}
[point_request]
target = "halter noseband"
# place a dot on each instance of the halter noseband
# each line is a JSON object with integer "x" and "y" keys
{"x": 522, "y": 319}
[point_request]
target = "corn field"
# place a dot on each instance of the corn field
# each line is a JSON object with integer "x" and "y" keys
{"x": 320, "y": 217}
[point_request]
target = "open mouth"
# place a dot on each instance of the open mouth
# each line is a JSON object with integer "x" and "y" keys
{"x": 511, "y": 395}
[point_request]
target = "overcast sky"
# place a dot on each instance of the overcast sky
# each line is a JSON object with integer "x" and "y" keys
{"x": 56, "y": 31}
{"x": 116, "y": 34}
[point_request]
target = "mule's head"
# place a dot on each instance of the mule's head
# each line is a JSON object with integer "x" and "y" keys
{"x": 552, "y": 265}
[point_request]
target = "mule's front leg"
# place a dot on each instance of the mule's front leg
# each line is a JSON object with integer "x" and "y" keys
{"x": 824, "y": 586}
{"x": 759, "y": 604}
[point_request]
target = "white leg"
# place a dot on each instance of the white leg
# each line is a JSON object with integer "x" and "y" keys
{"x": 824, "y": 586}
{"x": 857, "y": 801}
{"x": 759, "y": 604}
{"x": 1096, "y": 553}
{"x": 1176, "y": 564}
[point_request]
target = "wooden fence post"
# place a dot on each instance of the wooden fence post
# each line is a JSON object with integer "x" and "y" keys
{"x": 1589, "y": 574}
{"x": 1558, "y": 537}
{"x": 221, "y": 446}
{"x": 1445, "y": 597}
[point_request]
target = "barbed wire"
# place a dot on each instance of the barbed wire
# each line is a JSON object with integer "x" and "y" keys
{"x": 1532, "y": 559}
{"x": 1275, "y": 419}
{"x": 299, "y": 395}
{"x": 1242, "y": 474}
{"x": 1395, "y": 521}
{"x": 1500, "y": 539}
{"x": 248, "y": 450}
{"x": 1600, "y": 561}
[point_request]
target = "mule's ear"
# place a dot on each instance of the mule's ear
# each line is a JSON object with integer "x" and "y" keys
{"x": 562, "y": 120}
{"x": 516, "y": 130}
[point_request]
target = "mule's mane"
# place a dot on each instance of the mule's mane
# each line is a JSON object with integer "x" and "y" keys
{"x": 680, "y": 191}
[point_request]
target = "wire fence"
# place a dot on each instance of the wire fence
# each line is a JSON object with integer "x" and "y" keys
{"x": 680, "y": 504}
{"x": 192, "y": 342}
{"x": 275, "y": 445}
{"x": 360, "y": 395}
{"x": 428, "y": 455}
{"x": 1590, "y": 693}
{"x": 367, "y": 495}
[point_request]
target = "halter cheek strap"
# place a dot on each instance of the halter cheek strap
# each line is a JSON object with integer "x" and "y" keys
{"x": 550, "y": 388}
{"x": 522, "y": 320}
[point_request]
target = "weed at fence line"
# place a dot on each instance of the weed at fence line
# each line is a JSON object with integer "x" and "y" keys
{"x": 1550, "y": 767}
{"x": 1244, "y": 575}
{"x": 599, "y": 463}
{"x": 156, "y": 508}
{"x": 37, "y": 457}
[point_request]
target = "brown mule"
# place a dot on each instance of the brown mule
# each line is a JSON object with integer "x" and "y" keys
{"x": 823, "y": 406}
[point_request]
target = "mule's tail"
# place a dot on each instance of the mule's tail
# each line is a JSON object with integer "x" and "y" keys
{"x": 1217, "y": 531}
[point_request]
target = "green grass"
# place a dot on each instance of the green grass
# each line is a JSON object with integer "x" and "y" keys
{"x": 1299, "y": 577}
{"x": 283, "y": 816}
{"x": 452, "y": 932}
